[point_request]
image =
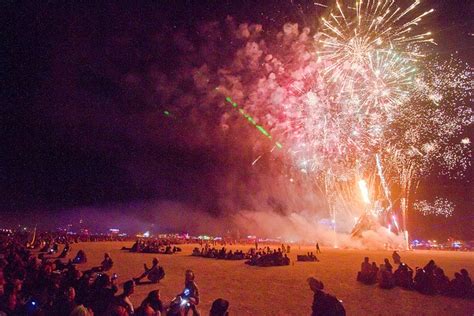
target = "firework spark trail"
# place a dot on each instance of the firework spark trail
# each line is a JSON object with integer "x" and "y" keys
{"x": 440, "y": 207}
{"x": 385, "y": 187}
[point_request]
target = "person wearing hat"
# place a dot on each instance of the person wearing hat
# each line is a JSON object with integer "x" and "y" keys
{"x": 219, "y": 308}
{"x": 323, "y": 303}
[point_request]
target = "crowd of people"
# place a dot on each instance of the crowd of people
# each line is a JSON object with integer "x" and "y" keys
{"x": 34, "y": 283}
{"x": 30, "y": 285}
{"x": 222, "y": 254}
{"x": 158, "y": 246}
{"x": 267, "y": 258}
{"x": 430, "y": 279}
{"x": 308, "y": 257}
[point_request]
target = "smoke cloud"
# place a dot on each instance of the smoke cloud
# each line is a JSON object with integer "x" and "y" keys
{"x": 150, "y": 102}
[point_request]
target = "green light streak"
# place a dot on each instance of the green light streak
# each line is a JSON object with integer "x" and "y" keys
{"x": 253, "y": 122}
{"x": 263, "y": 131}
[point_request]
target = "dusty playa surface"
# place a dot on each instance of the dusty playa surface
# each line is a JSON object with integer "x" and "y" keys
{"x": 283, "y": 290}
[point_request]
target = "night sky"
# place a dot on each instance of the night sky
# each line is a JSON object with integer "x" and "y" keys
{"x": 82, "y": 128}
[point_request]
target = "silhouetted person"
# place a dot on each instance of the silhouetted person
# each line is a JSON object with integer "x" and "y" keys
{"x": 80, "y": 257}
{"x": 430, "y": 267}
{"x": 385, "y": 278}
{"x": 219, "y": 308}
{"x": 461, "y": 285}
{"x": 123, "y": 300}
{"x": 403, "y": 276}
{"x": 65, "y": 251}
{"x": 154, "y": 274}
{"x": 324, "y": 304}
{"x": 107, "y": 263}
{"x": 317, "y": 248}
{"x": 364, "y": 273}
{"x": 151, "y": 305}
{"x": 191, "y": 293}
{"x": 441, "y": 281}
{"x": 388, "y": 266}
{"x": 396, "y": 257}
{"x": 373, "y": 273}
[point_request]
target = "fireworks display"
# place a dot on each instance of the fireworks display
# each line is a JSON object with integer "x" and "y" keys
{"x": 361, "y": 108}
{"x": 376, "y": 107}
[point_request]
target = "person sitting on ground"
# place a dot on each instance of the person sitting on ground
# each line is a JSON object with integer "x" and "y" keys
{"x": 430, "y": 267}
{"x": 151, "y": 305}
{"x": 123, "y": 300}
{"x": 324, "y": 304}
{"x": 461, "y": 285}
{"x": 440, "y": 282}
{"x": 191, "y": 293}
{"x": 101, "y": 293}
{"x": 286, "y": 260}
{"x": 154, "y": 274}
{"x": 65, "y": 251}
{"x": 107, "y": 263}
{"x": 365, "y": 270}
{"x": 465, "y": 276}
{"x": 66, "y": 304}
{"x": 219, "y": 308}
{"x": 388, "y": 266}
{"x": 403, "y": 276}
{"x": 80, "y": 257}
{"x": 396, "y": 257}
{"x": 374, "y": 271}
{"x": 455, "y": 285}
{"x": 385, "y": 278}
{"x": 423, "y": 281}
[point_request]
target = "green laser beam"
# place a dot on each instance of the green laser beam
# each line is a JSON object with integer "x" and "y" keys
{"x": 249, "y": 118}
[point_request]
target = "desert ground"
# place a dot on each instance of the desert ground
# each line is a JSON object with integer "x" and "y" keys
{"x": 283, "y": 290}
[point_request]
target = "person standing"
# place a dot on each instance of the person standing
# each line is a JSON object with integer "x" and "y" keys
{"x": 317, "y": 248}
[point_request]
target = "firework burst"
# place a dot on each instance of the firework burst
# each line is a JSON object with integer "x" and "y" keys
{"x": 370, "y": 50}
{"x": 440, "y": 207}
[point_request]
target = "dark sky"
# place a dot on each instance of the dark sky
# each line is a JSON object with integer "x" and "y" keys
{"x": 73, "y": 135}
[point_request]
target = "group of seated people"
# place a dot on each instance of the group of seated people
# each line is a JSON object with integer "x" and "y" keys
{"x": 222, "y": 253}
{"x": 308, "y": 257}
{"x": 33, "y": 286}
{"x": 159, "y": 246}
{"x": 429, "y": 280}
{"x": 268, "y": 258}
